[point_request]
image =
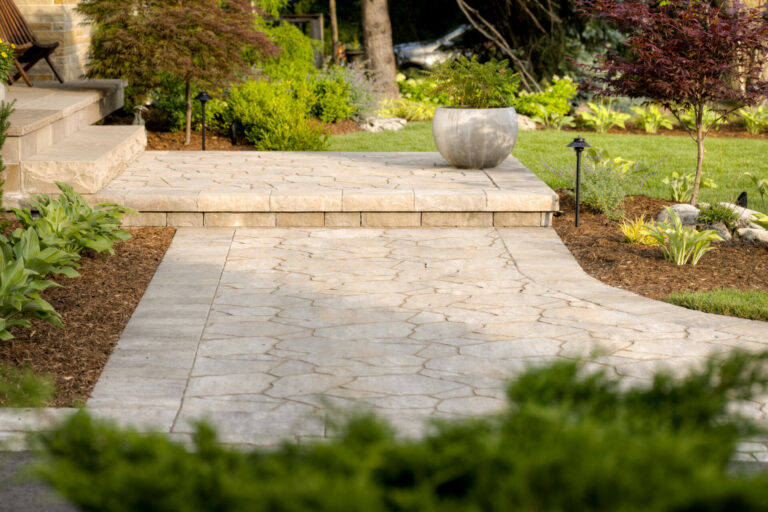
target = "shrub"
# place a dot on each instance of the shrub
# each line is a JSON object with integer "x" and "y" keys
{"x": 273, "y": 118}
{"x": 421, "y": 89}
{"x": 70, "y": 224}
{"x": 333, "y": 95}
{"x": 24, "y": 388}
{"x": 715, "y": 213}
{"x": 602, "y": 118}
{"x": 755, "y": 118}
{"x": 651, "y": 118}
{"x": 407, "y": 109}
{"x": 555, "y": 99}
{"x": 468, "y": 83}
{"x": 681, "y": 185}
{"x": 681, "y": 243}
{"x": 571, "y": 440}
{"x": 363, "y": 97}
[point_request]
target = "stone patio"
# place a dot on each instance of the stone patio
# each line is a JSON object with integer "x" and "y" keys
{"x": 320, "y": 189}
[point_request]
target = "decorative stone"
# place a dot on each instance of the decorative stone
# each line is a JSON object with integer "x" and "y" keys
{"x": 686, "y": 212}
{"x": 754, "y": 235}
{"x": 377, "y": 124}
{"x": 745, "y": 216}
{"x": 721, "y": 229}
{"x": 525, "y": 123}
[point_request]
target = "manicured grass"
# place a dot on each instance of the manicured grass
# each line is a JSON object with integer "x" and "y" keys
{"x": 725, "y": 161}
{"x": 752, "y": 304}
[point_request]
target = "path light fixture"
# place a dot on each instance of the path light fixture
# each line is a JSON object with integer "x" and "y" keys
{"x": 203, "y": 97}
{"x": 578, "y": 145}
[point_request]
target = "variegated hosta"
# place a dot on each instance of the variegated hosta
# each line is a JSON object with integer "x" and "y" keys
{"x": 682, "y": 243}
{"x": 761, "y": 220}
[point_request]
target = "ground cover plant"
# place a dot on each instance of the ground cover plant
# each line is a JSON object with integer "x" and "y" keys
{"x": 751, "y": 304}
{"x": 570, "y": 440}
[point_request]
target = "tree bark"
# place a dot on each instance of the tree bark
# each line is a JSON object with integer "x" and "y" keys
{"x": 188, "y": 100}
{"x": 334, "y": 34}
{"x": 377, "y": 35}
{"x": 700, "y": 157}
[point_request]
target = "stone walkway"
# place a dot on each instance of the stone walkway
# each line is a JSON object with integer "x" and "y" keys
{"x": 262, "y": 330}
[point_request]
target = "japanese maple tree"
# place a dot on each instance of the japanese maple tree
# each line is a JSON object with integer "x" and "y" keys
{"x": 202, "y": 42}
{"x": 687, "y": 55}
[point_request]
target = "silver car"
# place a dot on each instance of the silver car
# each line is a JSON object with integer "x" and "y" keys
{"x": 426, "y": 55}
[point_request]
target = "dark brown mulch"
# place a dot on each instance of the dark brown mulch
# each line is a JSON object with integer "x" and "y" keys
{"x": 95, "y": 308}
{"x": 599, "y": 248}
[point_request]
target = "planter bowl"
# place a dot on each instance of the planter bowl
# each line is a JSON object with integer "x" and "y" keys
{"x": 475, "y": 138}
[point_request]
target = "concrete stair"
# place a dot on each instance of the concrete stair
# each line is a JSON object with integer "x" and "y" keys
{"x": 52, "y": 138}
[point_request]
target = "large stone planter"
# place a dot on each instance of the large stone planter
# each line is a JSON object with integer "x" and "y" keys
{"x": 475, "y": 138}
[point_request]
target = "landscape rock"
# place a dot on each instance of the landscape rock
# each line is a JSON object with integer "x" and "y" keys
{"x": 745, "y": 216}
{"x": 525, "y": 123}
{"x": 721, "y": 229}
{"x": 686, "y": 212}
{"x": 377, "y": 124}
{"x": 754, "y": 235}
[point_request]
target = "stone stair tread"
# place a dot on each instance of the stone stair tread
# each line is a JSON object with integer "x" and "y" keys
{"x": 87, "y": 145}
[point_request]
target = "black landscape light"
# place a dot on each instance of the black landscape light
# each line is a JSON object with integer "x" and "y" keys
{"x": 578, "y": 145}
{"x": 203, "y": 97}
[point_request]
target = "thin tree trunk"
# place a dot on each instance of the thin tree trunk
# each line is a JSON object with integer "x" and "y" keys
{"x": 334, "y": 33}
{"x": 377, "y": 34}
{"x": 188, "y": 100}
{"x": 700, "y": 157}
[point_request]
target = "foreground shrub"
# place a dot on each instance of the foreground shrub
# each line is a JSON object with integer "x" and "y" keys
{"x": 70, "y": 224}
{"x": 569, "y": 441}
{"x": 752, "y": 304}
{"x": 274, "y": 119}
{"x": 556, "y": 98}
{"x": 24, "y": 388}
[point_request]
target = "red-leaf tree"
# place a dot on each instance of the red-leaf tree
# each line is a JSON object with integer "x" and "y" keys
{"x": 687, "y": 55}
{"x": 199, "y": 41}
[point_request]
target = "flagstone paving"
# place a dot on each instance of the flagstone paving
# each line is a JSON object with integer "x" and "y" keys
{"x": 263, "y": 331}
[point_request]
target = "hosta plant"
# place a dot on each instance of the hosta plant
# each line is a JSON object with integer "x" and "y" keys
{"x": 755, "y": 119}
{"x": 20, "y": 299}
{"x": 551, "y": 118}
{"x": 636, "y": 231}
{"x": 761, "y": 220}
{"x": 681, "y": 185}
{"x": 602, "y": 117}
{"x": 70, "y": 224}
{"x": 24, "y": 244}
{"x": 761, "y": 184}
{"x": 711, "y": 119}
{"x": 651, "y": 118}
{"x": 681, "y": 243}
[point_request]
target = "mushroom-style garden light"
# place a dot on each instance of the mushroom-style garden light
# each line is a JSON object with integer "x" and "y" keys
{"x": 578, "y": 145}
{"x": 203, "y": 97}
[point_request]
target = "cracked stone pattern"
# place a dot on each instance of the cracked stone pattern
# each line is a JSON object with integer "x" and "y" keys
{"x": 263, "y": 330}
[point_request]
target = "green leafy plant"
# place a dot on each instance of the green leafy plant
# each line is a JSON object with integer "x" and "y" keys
{"x": 274, "y": 118}
{"x": 760, "y": 219}
{"x": 70, "y": 224}
{"x": 652, "y": 118}
{"x": 755, "y": 118}
{"x": 570, "y": 440}
{"x": 761, "y": 184}
{"x": 20, "y": 299}
{"x": 681, "y": 185}
{"x": 711, "y": 119}
{"x": 333, "y": 98}
{"x": 468, "y": 83}
{"x": 421, "y": 89}
{"x": 24, "y": 244}
{"x": 602, "y": 117}
{"x": 24, "y": 388}
{"x": 407, "y": 109}
{"x": 715, "y": 213}
{"x": 551, "y": 118}
{"x": 636, "y": 231}
{"x": 681, "y": 243}
{"x": 555, "y": 98}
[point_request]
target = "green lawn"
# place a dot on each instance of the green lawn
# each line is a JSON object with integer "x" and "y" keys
{"x": 751, "y": 304}
{"x": 725, "y": 160}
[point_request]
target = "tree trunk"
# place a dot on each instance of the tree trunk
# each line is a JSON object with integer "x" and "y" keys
{"x": 188, "y": 100}
{"x": 700, "y": 157}
{"x": 377, "y": 35}
{"x": 334, "y": 34}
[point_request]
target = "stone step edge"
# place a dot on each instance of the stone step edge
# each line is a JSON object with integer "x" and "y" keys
{"x": 340, "y": 219}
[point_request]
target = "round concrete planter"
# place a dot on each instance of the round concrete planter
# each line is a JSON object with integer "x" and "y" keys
{"x": 475, "y": 138}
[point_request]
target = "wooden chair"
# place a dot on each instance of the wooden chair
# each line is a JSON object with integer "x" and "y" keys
{"x": 14, "y": 29}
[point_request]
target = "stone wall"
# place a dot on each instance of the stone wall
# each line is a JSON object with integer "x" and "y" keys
{"x": 56, "y": 20}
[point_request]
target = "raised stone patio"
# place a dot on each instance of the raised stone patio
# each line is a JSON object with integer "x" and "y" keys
{"x": 268, "y": 189}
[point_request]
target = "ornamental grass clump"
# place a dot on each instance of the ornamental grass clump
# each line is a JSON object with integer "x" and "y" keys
{"x": 682, "y": 243}
{"x": 636, "y": 231}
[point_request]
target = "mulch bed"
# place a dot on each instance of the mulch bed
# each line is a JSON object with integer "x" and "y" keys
{"x": 599, "y": 247}
{"x": 95, "y": 308}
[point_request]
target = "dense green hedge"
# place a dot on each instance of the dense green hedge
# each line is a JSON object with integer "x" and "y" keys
{"x": 570, "y": 441}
